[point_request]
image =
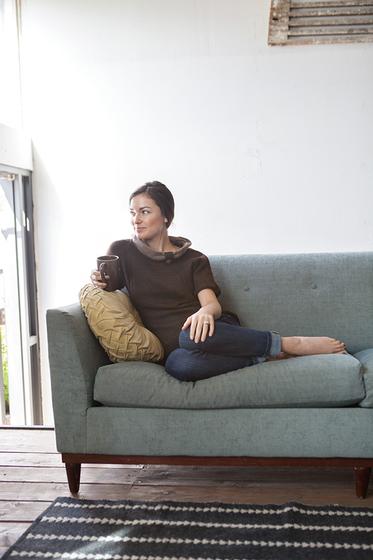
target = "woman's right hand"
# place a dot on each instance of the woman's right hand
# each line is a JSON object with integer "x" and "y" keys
{"x": 96, "y": 280}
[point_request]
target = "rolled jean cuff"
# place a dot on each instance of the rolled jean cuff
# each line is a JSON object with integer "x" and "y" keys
{"x": 275, "y": 348}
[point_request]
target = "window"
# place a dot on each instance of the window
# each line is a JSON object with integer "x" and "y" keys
{"x": 20, "y": 388}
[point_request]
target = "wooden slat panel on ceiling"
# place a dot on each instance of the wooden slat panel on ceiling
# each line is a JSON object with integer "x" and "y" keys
{"x": 294, "y": 22}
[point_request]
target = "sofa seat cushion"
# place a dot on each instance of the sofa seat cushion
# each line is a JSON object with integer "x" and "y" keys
{"x": 310, "y": 381}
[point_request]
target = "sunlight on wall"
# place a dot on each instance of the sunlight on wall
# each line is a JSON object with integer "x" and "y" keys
{"x": 10, "y": 89}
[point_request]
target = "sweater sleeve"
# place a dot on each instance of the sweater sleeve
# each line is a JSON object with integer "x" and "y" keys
{"x": 203, "y": 277}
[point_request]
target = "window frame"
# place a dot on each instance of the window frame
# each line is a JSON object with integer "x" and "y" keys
{"x": 27, "y": 294}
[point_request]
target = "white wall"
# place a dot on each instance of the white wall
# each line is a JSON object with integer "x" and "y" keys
{"x": 15, "y": 148}
{"x": 267, "y": 149}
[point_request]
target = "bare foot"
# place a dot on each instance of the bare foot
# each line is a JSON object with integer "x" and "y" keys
{"x": 308, "y": 345}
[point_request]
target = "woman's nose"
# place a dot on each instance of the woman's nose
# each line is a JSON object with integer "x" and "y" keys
{"x": 137, "y": 219}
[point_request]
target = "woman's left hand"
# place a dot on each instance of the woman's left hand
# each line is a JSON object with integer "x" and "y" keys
{"x": 201, "y": 325}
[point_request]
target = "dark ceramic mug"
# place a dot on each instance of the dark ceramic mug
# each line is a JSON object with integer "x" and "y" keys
{"x": 111, "y": 272}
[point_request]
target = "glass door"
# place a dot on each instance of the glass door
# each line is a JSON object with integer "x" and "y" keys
{"x": 20, "y": 390}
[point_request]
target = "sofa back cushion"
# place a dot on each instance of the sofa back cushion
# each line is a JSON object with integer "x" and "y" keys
{"x": 312, "y": 294}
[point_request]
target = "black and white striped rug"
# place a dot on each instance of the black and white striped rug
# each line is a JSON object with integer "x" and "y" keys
{"x": 72, "y": 529}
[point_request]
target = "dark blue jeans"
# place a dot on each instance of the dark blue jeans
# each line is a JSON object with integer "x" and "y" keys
{"x": 230, "y": 347}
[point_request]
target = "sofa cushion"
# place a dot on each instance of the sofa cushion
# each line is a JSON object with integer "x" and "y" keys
{"x": 310, "y": 381}
{"x": 325, "y": 294}
{"x": 118, "y": 326}
{"x": 365, "y": 357}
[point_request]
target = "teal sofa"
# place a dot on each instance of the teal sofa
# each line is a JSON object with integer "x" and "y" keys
{"x": 305, "y": 411}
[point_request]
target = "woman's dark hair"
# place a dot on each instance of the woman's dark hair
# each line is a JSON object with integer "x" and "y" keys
{"x": 161, "y": 195}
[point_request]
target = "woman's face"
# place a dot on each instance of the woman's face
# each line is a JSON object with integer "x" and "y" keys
{"x": 146, "y": 217}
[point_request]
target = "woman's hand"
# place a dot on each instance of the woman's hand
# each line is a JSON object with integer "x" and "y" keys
{"x": 96, "y": 280}
{"x": 202, "y": 324}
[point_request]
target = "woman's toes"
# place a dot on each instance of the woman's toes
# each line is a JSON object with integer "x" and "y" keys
{"x": 341, "y": 345}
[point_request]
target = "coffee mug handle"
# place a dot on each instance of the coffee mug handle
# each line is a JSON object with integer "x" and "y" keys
{"x": 101, "y": 269}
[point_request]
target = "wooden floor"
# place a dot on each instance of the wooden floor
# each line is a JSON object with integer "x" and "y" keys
{"x": 32, "y": 475}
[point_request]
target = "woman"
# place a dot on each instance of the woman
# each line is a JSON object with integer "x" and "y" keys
{"x": 173, "y": 289}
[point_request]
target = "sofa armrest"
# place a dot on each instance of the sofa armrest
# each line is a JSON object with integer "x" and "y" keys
{"x": 74, "y": 357}
{"x": 366, "y": 359}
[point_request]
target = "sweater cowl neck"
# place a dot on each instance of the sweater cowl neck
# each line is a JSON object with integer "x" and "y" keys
{"x": 182, "y": 243}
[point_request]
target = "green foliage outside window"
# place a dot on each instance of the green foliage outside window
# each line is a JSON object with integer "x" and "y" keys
{"x": 4, "y": 360}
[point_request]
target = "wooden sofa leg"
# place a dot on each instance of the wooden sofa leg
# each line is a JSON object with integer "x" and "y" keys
{"x": 362, "y": 475}
{"x": 73, "y": 476}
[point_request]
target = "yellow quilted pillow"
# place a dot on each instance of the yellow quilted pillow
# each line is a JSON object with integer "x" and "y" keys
{"x": 118, "y": 326}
